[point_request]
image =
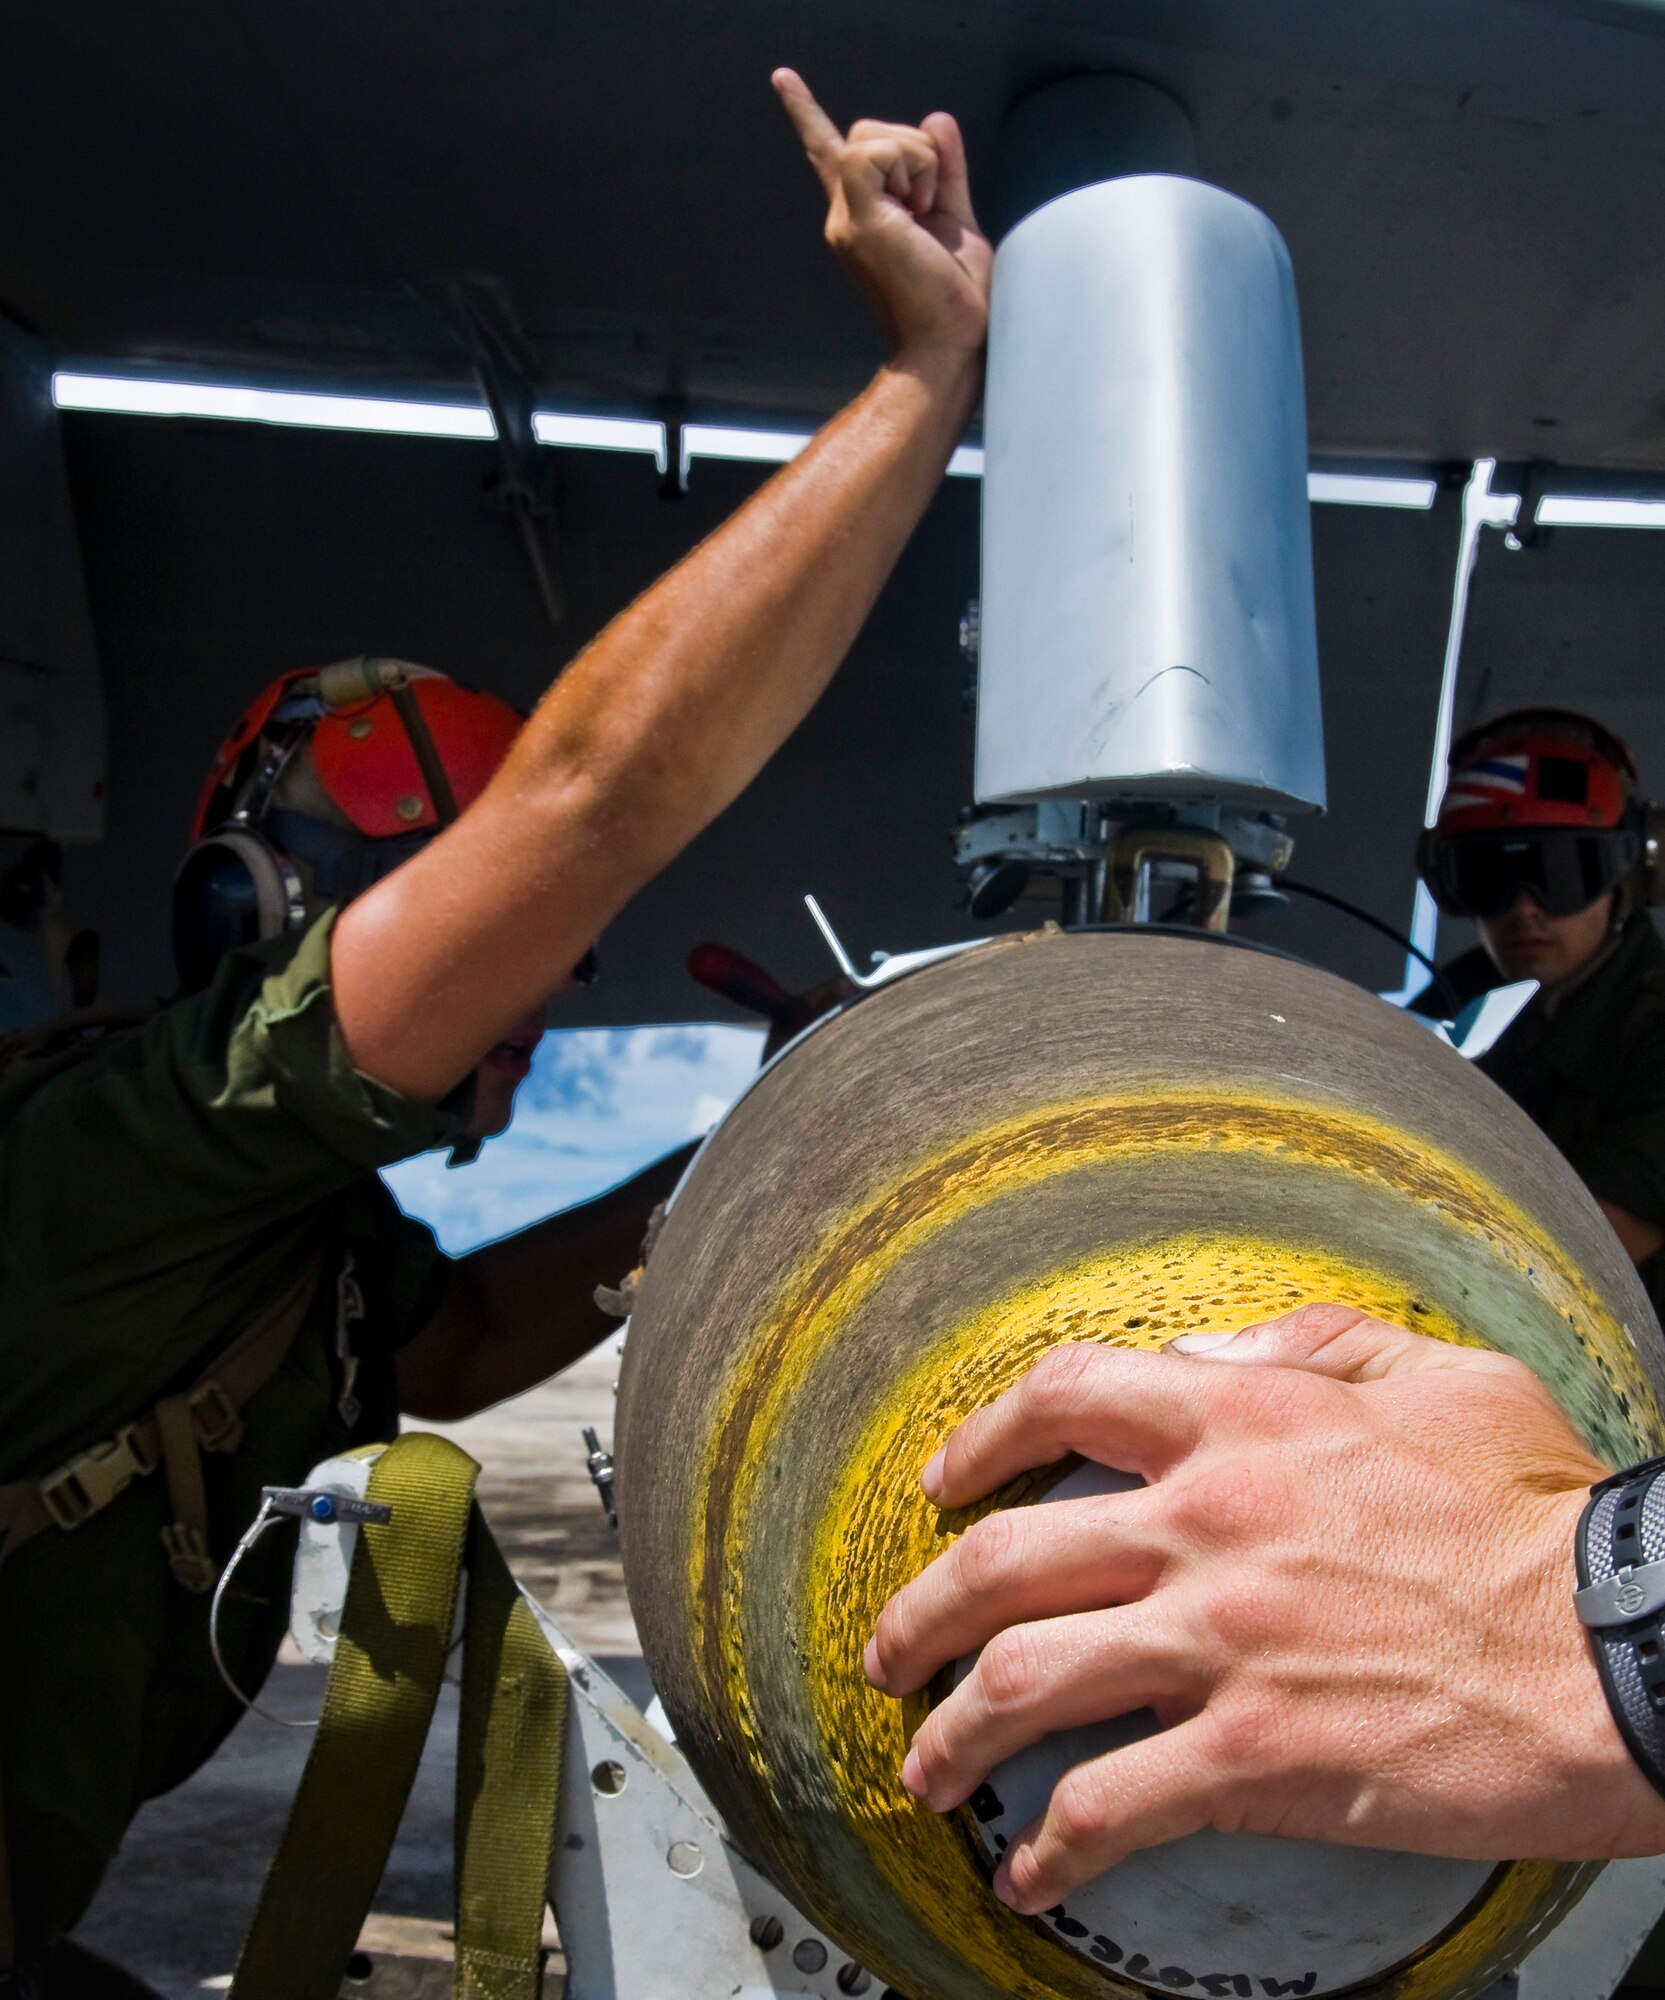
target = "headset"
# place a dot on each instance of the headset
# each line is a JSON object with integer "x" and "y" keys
{"x": 332, "y": 778}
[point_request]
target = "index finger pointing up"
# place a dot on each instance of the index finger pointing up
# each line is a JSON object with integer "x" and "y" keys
{"x": 822, "y": 140}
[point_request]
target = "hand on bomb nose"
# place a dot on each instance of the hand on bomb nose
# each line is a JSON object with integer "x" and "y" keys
{"x": 1345, "y": 1589}
{"x": 899, "y": 218}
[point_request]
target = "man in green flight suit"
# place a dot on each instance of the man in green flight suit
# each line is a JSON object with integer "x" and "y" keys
{"x": 203, "y": 1285}
{"x": 1544, "y": 839}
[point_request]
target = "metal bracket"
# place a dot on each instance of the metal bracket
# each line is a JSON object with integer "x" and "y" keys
{"x": 651, "y": 1898}
{"x": 325, "y": 1504}
{"x": 1106, "y": 853}
{"x": 1527, "y": 532}
{"x": 504, "y": 367}
{"x": 599, "y": 1465}
{"x": 673, "y": 413}
{"x": 887, "y": 965}
{"x": 1135, "y": 848}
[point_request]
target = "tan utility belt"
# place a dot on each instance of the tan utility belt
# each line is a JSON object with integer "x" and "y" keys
{"x": 205, "y": 1417}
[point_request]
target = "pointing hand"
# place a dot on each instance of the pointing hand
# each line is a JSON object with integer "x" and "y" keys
{"x": 899, "y": 218}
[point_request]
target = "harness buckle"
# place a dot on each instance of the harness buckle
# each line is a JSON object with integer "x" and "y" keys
{"x": 85, "y": 1484}
{"x": 215, "y": 1417}
{"x": 188, "y": 1557}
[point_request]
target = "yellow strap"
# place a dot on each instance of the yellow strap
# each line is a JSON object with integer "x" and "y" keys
{"x": 395, "y": 1630}
{"x": 510, "y": 1736}
{"x": 378, "y": 1703}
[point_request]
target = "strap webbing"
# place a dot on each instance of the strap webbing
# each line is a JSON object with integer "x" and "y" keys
{"x": 212, "y": 1406}
{"x": 509, "y": 1741}
{"x": 99, "y": 1475}
{"x": 379, "y": 1702}
{"x": 389, "y": 1659}
{"x": 186, "y": 1537}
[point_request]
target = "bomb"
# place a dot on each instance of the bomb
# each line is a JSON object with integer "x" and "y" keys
{"x": 1104, "y": 1136}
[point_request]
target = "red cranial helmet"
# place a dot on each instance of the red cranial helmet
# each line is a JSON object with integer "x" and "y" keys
{"x": 1537, "y": 767}
{"x": 1544, "y": 801}
{"x": 331, "y": 778}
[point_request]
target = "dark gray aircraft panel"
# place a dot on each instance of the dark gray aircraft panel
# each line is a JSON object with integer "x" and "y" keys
{"x": 1580, "y": 622}
{"x": 1472, "y": 189}
{"x": 1471, "y": 192}
{"x": 220, "y": 554}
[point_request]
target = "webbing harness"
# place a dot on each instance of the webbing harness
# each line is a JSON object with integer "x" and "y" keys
{"x": 205, "y": 1417}
{"x": 389, "y": 1659}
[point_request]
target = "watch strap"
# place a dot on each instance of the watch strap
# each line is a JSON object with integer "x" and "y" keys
{"x": 1621, "y": 1601}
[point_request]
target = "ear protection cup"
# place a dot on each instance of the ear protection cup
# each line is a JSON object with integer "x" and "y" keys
{"x": 232, "y": 889}
{"x": 332, "y": 777}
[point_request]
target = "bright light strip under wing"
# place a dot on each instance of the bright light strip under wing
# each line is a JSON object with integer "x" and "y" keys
{"x": 748, "y": 446}
{"x": 1352, "y": 489}
{"x": 601, "y": 433}
{"x": 127, "y": 396}
{"x": 1572, "y": 510}
{"x": 777, "y": 447}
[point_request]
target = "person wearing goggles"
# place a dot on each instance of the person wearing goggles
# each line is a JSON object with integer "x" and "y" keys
{"x": 1546, "y": 843}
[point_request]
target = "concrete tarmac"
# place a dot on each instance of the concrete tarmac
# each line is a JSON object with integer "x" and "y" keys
{"x": 175, "y": 1905}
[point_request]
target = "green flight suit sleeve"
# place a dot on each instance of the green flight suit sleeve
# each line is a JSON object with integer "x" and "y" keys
{"x": 1623, "y": 1159}
{"x": 162, "y": 1186}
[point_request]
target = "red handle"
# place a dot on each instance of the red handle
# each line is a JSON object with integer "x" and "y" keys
{"x": 736, "y": 978}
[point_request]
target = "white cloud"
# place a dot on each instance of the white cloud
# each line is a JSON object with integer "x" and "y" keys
{"x": 600, "y": 1104}
{"x": 707, "y": 1110}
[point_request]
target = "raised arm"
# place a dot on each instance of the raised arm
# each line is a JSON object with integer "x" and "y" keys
{"x": 666, "y": 717}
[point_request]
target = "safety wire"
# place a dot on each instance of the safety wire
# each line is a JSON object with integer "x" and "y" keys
{"x": 1187, "y": 897}
{"x": 256, "y": 1528}
{"x": 354, "y": 1510}
{"x": 1452, "y": 998}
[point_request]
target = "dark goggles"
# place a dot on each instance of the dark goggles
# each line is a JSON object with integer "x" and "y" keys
{"x": 1563, "y": 869}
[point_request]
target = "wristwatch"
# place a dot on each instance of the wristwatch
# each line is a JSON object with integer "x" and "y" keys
{"x": 1621, "y": 1599}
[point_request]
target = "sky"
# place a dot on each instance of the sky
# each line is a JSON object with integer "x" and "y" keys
{"x": 599, "y": 1105}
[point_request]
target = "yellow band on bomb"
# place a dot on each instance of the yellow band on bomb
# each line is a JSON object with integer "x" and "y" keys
{"x": 875, "y": 1529}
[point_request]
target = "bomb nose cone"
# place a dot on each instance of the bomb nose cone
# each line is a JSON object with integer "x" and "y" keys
{"x": 1090, "y": 1136}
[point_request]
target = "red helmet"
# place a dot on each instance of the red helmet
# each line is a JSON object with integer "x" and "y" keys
{"x": 1542, "y": 800}
{"x": 331, "y": 778}
{"x": 1537, "y": 767}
